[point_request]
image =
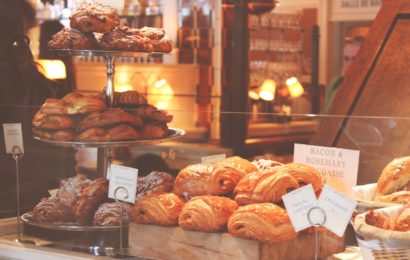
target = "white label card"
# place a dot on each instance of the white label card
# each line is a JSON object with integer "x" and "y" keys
{"x": 117, "y": 4}
{"x": 338, "y": 209}
{"x": 297, "y": 204}
{"x": 213, "y": 158}
{"x": 123, "y": 183}
{"x": 13, "y": 137}
{"x": 338, "y": 166}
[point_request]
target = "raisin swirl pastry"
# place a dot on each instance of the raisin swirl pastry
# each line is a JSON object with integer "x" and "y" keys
{"x": 264, "y": 222}
{"x": 70, "y": 192}
{"x": 159, "y": 209}
{"x": 94, "y": 18}
{"x": 206, "y": 213}
{"x": 123, "y": 38}
{"x": 50, "y": 210}
{"x": 258, "y": 187}
{"x": 109, "y": 214}
{"x": 69, "y": 38}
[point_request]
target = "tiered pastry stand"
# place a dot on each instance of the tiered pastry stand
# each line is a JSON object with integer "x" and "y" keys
{"x": 105, "y": 154}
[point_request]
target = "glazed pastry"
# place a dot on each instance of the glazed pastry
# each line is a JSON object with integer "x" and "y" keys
{"x": 70, "y": 192}
{"x": 236, "y": 163}
{"x": 206, "y": 213}
{"x": 108, "y": 118}
{"x": 159, "y": 209}
{"x": 403, "y": 221}
{"x": 52, "y": 122}
{"x": 154, "y": 183}
{"x": 69, "y": 38}
{"x": 154, "y": 131}
{"x": 109, "y": 214}
{"x": 94, "y": 18}
{"x": 65, "y": 135}
{"x": 304, "y": 174}
{"x": 265, "y": 165}
{"x": 258, "y": 187}
{"x": 123, "y": 38}
{"x": 150, "y": 113}
{"x": 159, "y": 40}
{"x": 118, "y": 133}
{"x": 93, "y": 195}
{"x": 379, "y": 220}
{"x": 394, "y": 177}
{"x": 50, "y": 210}
{"x": 264, "y": 222}
{"x": 206, "y": 179}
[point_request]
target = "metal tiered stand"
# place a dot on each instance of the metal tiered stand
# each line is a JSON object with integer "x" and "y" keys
{"x": 105, "y": 149}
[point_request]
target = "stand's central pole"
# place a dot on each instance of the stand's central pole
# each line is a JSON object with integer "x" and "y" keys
{"x": 109, "y": 90}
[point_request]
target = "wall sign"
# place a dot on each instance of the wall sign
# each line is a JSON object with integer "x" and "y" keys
{"x": 354, "y": 10}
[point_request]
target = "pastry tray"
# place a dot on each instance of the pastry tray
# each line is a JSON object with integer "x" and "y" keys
{"x": 174, "y": 133}
{"x": 104, "y": 53}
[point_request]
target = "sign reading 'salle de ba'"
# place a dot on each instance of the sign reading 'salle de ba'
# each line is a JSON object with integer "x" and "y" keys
{"x": 338, "y": 166}
{"x": 359, "y": 3}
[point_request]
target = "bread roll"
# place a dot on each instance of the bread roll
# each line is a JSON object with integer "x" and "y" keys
{"x": 394, "y": 177}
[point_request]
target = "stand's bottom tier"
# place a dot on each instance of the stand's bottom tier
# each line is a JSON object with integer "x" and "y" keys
{"x": 177, "y": 243}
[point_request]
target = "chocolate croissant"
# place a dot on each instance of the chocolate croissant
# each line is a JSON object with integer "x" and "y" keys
{"x": 206, "y": 179}
{"x": 304, "y": 174}
{"x": 206, "y": 213}
{"x": 159, "y": 209}
{"x": 258, "y": 187}
{"x": 264, "y": 222}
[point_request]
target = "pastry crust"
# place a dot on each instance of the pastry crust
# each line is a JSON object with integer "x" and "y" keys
{"x": 92, "y": 196}
{"x": 109, "y": 214}
{"x": 70, "y": 192}
{"x": 304, "y": 174}
{"x": 64, "y": 135}
{"x": 207, "y": 213}
{"x": 118, "y": 133}
{"x": 379, "y": 220}
{"x": 130, "y": 97}
{"x": 52, "y": 122}
{"x": 159, "y": 209}
{"x": 80, "y": 105}
{"x": 154, "y": 130}
{"x": 69, "y": 38}
{"x": 206, "y": 179}
{"x": 50, "y": 210}
{"x": 258, "y": 187}
{"x": 264, "y": 222}
{"x": 154, "y": 183}
{"x": 159, "y": 40}
{"x": 123, "y": 38}
{"x": 150, "y": 113}
{"x": 94, "y": 18}
{"x": 266, "y": 165}
{"x": 236, "y": 163}
{"x": 394, "y": 177}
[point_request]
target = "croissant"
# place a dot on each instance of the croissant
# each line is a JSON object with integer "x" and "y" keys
{"x": 130, "y": 97}
{"x": 304, "y": 174}
{"x": 379, "y": 220}
{"x": 236, "y": 163}
{"x": 118, "y": 133}
{"x": 206, "y": 213}
{"x": 160, "y": 209}
{"x": 403, "y": 221}
{"x": 264, "y": 165}
{"x": 80, "y": 105}
{"x": 258, "y": 187}
{"x": 65, "y": 135}
{"x": 150, "y": 113}
{"x": 206, "y": 179}
{"x": 264, "y": 222}
{"x": 394, "y": 177}
{"x": 52, "y": 122}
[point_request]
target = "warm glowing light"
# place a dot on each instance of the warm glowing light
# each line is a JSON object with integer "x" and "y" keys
{"x": 122, "y": 77}
{"x": 52, "y": 69}
{"x": 123, "y": 87}
{"x": 161, "y": 91}
{"x": 294, "y": 87}
{"x": 253, "y": 95}
{"x": 268, "y": 89}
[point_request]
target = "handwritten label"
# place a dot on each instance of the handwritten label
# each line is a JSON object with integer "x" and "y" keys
{"x": 338, "y": 209}
{"x": 123, "y": 183}
{"x": 297, "y": 204}
{"x": 213, "y": 158}
{"x": 338, "y": 166}
{"x": 13, "y": 137}
{"x": 117, "y": 4}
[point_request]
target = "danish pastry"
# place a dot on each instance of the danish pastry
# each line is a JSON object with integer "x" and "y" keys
{"x": 154, "y": 183}
{"x": 80, "y": 105}
{"x": 206, "y": 213}
{"x": 50, "y": 210}
{"x": 159, "y": 40}
{"x": 123, "y": 38}
{"x": 52, "y": 122}
{"x": 258, "y": 187}
{"x": 264, "y": 222}
{"x": 69, "y": 38}
{"x": 94, "y": 18}
{"x": 65, "y": 135}
{"x": 70, "y": 191}
{"x": 160, "y": 209}
{"x": 109, "y": 214}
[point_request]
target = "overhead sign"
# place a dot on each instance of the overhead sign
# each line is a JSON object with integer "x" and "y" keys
{"x": 354, "y": 10}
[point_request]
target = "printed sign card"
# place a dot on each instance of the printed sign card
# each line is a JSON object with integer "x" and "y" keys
{"x": 338, "y": 166}
{"x": 298, "y": 203}
{"x": 123, "y": 183}
{"x": 13, "y": 137}
{"x": 213, "y": 158}
{"x": 338, "y": 209}
{"x": 117, "y": 4}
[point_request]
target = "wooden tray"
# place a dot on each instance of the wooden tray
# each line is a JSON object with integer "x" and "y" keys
{"x": 177, "y": 243}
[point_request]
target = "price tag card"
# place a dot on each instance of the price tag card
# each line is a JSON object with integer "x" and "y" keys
{"x": 338, "y": 209}
{"x": 297, "y": 204}
{"x": 123, "y": 183}
{"x": 117, "y": 4}
{"x": 338, "y": 166}
{"x": 213, "y": 158}
{"x": 13, "y": 137}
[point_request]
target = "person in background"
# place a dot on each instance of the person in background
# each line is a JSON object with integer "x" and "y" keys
{"x": 350, "y": 51}
{"x": 22, "y": 90}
